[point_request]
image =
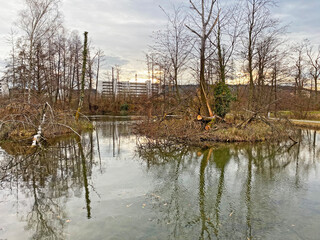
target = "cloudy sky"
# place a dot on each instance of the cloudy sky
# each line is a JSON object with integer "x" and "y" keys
{"x": 122, "y": 28}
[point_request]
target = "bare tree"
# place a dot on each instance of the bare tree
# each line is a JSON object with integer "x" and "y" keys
{"x": 257, "y": 21}
{"x": 208, "y": 20}
{"x": 314, "y": 63}
{"x": 299, "y": 67}
{"x": 278, "y": 73}
{"x": 173, "y": 46}
{"x": 39, "y": 19}
{"x": 84, "y": 64}
{"x": 268, "y": 53}
{"x": 224, "y": 40}
{"x": 75, "y": 62}
{"x": 100, "y": 58}
{"x": 11, "y": 74}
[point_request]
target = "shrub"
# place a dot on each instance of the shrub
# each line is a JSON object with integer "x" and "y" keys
{"x": 222, "y": 99}
{"x": 124, "y": 107}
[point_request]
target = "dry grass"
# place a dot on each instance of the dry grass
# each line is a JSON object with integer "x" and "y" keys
{"x": 192, "y": 132}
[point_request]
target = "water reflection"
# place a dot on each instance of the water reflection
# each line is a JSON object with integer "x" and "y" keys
{"x": 242, "y": 189}
{"x": 40, "y": 182}
{"x": 48, "y": 176}
{"x": 105, "y": 186}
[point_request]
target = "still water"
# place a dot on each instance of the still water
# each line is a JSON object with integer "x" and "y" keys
{"x": 114, "y": 185}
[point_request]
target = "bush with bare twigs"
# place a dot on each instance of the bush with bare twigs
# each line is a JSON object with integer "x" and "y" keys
{"x": 20, "y": 121}
{"x": 255, "y": 128}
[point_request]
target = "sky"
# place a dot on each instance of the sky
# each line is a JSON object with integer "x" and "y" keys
{"x": 122, "y": 28}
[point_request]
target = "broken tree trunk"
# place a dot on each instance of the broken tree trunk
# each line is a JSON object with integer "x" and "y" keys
{"x": 85, "y": 52}
{"x": 208, "y": 121}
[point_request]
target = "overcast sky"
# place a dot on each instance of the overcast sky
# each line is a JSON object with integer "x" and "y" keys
{"x": 122, "y": 28}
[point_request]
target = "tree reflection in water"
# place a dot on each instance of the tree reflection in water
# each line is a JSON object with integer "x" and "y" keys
{"x": 236, "y": 191}
{"x": 50, "y": 175}
{"x": 234, "y": 186}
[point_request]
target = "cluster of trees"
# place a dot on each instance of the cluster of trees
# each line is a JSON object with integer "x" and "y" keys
{"x": 218, "y": 43}
{"x": 46, "y": 59}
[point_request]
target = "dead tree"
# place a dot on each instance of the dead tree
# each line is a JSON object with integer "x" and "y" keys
{"x": 85, "y": 52}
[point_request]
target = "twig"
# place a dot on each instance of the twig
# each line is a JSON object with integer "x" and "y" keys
{"x": 61, "y": 124}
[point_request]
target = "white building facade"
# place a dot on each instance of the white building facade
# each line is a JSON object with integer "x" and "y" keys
{"x": 4, "y": 89}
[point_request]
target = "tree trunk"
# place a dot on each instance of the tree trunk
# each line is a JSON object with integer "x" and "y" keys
{"x": 316, "y": 88}
{"x": 97, "y": 78}
{"x": 90, "y": 82}
{"x": 176, "y": 83}
{"x": 203, "y": 84}
{"x": 85, "y": 51}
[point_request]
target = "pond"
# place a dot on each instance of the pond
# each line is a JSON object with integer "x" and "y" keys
{"x": 115, "y": 185}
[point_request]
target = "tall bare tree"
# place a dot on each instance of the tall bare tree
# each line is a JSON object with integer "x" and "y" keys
{"x": 299, "y": 67}
{"x": 100, "y": 58}
{"x": 257, "y": 22}
{"x": 224, "y": 40}
{"x": 277, "y": 73}
{"x": 173, "y": 46}
{"x": 84, "y": 64}
{"x": 268, "y": 52}
{"x": 314, "y": 63}
{"x": 39, "y": 19}
{"x": 204, "y": 20}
